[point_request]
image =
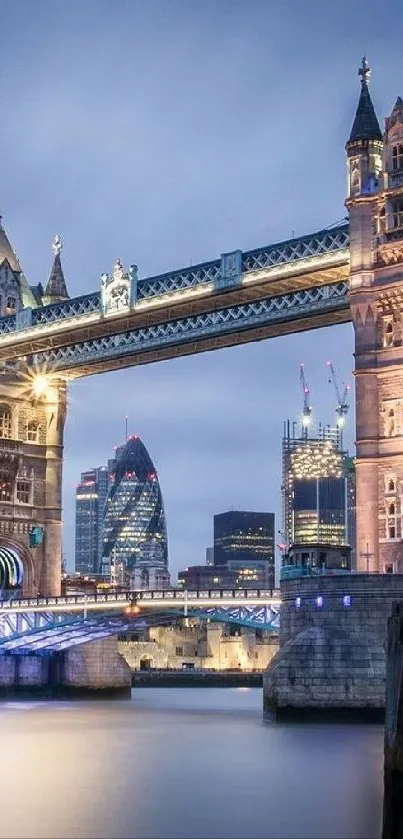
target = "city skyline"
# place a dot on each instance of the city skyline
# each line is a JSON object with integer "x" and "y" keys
{"x": 160, "y": 186}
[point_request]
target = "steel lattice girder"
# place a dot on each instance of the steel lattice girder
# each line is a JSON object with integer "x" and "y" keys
{"x": 57, "y": 633}
{"x": 316, "y": 244}
{"x": 296, "y": 305}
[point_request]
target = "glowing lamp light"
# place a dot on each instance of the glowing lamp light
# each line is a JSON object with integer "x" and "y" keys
{"x": 319, "y": 601}
{"x": 347, "y": 600}
{"x": 297, "y": 602}
{"x": 40, "y": 384}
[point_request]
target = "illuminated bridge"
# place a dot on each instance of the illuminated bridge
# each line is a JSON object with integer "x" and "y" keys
{"x": 242, "y": 296}
{"x": 56, "y": 623}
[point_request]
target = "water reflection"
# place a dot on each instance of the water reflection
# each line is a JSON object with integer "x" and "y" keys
{"x": 184, "y": 763}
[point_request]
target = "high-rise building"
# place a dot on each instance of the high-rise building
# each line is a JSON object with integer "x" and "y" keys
{"x": 91, "y": 495}
{"x": 134, "y": 531}
{"x": 244, "y": 539}
{"x": 318, "y": 490}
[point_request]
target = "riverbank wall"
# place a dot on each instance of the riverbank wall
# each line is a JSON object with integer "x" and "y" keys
{"x": 196, "y": 678}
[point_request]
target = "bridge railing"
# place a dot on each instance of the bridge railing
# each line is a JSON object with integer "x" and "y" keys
{"x": 127, "y": 597}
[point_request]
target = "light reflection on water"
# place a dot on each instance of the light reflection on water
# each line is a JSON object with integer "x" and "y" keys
{"x": 184, "y": 763}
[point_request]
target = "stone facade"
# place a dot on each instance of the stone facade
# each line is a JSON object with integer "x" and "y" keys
{"x": 208, "y": 646}
{"x": 332, "y": 643}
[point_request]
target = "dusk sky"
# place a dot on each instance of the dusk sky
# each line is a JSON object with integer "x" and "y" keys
{"x": 165, "y": 132}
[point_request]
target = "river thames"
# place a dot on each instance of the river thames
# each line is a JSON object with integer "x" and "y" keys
{"x": 184, "y": 763}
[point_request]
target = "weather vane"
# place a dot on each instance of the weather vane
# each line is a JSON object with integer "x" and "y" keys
{"x": 364, "y": 71}
{"x": 57, "y": 244}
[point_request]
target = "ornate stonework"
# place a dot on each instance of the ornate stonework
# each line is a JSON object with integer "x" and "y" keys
{"x": 115, "y": 290}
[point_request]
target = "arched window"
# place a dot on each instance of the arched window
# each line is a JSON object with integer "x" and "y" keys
{"x": 391, "y": 509}
{"x": 391, "y": 485}
{"x": 11, "y": 302}
{"x": 388, "y": 334}
{"x": 32, "y": 431}
{"x": 5, "y": 422}
{"x": 391, "y": 423}
{"x": 397, "y": 157}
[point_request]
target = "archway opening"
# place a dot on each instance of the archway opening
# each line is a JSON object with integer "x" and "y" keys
{"x": 11, "y": 570}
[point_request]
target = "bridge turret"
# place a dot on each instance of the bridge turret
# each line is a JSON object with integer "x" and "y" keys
{"x": 375, "y": 204}
{"x": 364, "y": 146}
{"x": 56, "y": 288}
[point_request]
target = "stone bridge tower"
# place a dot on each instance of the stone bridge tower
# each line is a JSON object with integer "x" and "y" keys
{"x": 32, "y": 416}
{"x": 375, "y": 204}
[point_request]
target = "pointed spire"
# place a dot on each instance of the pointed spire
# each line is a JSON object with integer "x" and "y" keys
{"x": 7, "y": 252}
{"x": 56, "y": 288}
{"x": 365, "y": 125}
{"x": 398, "y": 105}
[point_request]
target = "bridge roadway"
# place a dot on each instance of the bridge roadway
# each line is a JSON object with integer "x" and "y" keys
{"x": 243, "y": 296}
{"x": 154, "y": 600}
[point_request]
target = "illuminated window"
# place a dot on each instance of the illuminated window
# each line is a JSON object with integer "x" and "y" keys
{"x": 388, "y": 336}
{"x": 23, "y": 492}
{"x": 32, "y": 431}
{"x": 397, "y": 158}
{"x": 5, "y": 422}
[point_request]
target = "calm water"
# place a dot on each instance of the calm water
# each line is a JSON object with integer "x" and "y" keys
{"x": 184, "y": 763}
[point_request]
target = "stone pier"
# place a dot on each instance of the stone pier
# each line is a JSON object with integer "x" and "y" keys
{"x": 94, "y": 669}
{"x": 332, "y": 655}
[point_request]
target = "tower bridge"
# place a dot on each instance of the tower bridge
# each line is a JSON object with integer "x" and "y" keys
{"x": 349, "y": 272}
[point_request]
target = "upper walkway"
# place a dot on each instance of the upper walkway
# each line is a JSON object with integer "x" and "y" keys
{"x": 285, "y": 287}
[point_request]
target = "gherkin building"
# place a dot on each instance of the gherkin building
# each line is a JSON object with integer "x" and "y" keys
{"x": 134, "y": 527}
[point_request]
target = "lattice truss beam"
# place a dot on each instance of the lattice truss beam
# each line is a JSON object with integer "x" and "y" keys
{"x": 296, "y": 305}
{"x": 36, "y": 632}
{"x": 305, "y": 248}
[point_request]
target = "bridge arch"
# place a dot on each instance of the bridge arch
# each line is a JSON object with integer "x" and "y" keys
{"x": 17, "y": 570}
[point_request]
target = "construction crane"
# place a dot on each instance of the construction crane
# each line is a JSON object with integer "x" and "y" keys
{"x": 342, "y": 404}
{"x": 306, "y": 410}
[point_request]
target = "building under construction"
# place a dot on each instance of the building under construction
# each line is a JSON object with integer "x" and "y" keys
{"x": 318, "y": 486}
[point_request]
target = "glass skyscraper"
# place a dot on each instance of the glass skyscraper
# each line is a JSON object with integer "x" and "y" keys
{"x": 91, "y": 495}
{"x": 318, "y": 490}
{"x": 134, "y": 531}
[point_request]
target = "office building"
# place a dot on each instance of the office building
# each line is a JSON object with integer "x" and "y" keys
{"x": 91, "y": 495}
{"x": 318, "y": 490}
{"x": 135, "y": 547}
{"x": 256, "y": 575}
{"x": 245, "y": 540}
